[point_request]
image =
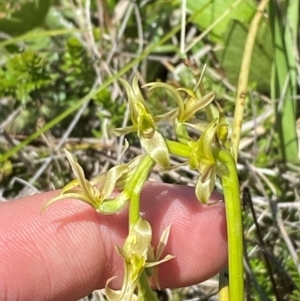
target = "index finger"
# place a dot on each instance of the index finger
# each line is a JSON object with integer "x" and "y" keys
{"x": 69, "y": 250}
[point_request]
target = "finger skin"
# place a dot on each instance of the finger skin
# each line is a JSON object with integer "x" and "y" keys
{"x": 69, "y": 250}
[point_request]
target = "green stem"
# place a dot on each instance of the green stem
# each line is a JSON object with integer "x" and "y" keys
{"x": 147, "y": 293}
{"x": 231, "y": 189}
{"x": 134, "y": 188}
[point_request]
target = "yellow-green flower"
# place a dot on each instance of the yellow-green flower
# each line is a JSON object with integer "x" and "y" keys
{"x": 145, "y": 124}
{"x": 97, "y": 193}
{"x": 203, "y": 159}
{"x": 135, "y": 254}
{"x": 186, "y": 108}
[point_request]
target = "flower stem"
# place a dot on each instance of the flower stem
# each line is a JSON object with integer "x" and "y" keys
{"x": 145, "y": 289}
{"x": 231, "y": 189}
{"x": 134, "y": 188}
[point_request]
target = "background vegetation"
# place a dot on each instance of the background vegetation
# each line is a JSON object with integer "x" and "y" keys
{"x": 59, "y": 61}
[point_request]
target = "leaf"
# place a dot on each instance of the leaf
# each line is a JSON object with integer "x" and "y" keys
{"x": 243, "y": 12}
{"x": 262, "y": 57}
{"x": 24, "y": 73}
{"x": 29, "y": 16}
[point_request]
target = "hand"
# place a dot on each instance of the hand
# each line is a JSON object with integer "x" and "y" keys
{"x": 69, "y": 250}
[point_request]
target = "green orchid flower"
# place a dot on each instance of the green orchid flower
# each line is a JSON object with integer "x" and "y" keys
{"x": 97, "y": 193}
{"x": 144, "y": 123}
{"x": 186, "y": 108}
{"x": 135, "y": 254}
{"x": 203, "y": 160}
{"x": 203, "y": 157}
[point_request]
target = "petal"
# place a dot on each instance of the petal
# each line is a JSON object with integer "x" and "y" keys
{"x": 174, "y": 92}
{"x": 118, "y": 295}
{"x": 124, "y": 131}
{"x": 189, "y": 92}
{"x": 145, "y": 123}
{"x": 136, "y": 89}
{"x": 206, "y": 140}
{"x": 79, "y": 174}
{"x": 222, "y": 129}
{"x": 160, "y": 248}
{"x": 131, "y": 100}
{"x": 132, "y": 165}
{"x": 138, "y": 239}
{"x": 169, "y": 115}
{"x": 134, "y": 253}
{"x": 205, "y": 185}
{"x": 152, "y": 270}
{"x": 77, "y": 196}
{"x": 112, "y": 295}
{"x": 74, "y": 183}
{"x": 192, "y": 106}
{"x": 162, "y": 242}
{"x": 112, "y": 176}
{"x": 155, "y": 263}
{"x": 181, "y": 131}
{"x": 197, "y": 124}
{"x": 157, "y": 149}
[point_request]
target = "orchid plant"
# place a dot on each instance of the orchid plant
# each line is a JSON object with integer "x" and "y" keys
{"x": 210, "y": 154}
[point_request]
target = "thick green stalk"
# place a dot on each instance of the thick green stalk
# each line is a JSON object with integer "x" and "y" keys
{"x": 147, "y": 293}
{"x": 134, "y": 188}
{"x": 230, "y": 183}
